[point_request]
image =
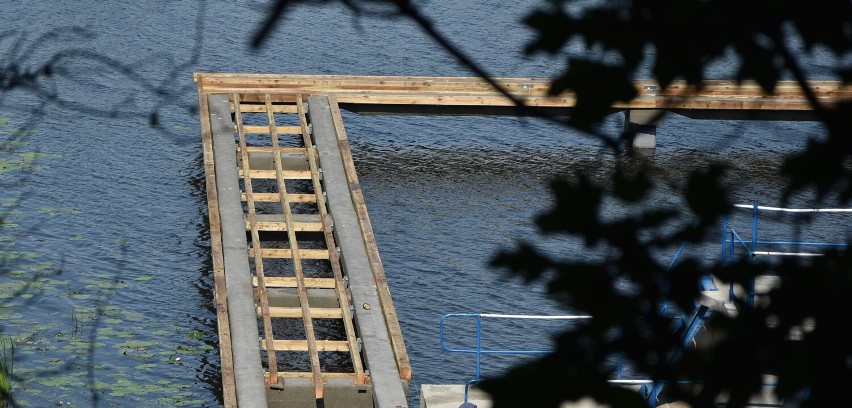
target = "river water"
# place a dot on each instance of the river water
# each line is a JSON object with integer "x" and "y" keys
{"x": 106, "y": 290}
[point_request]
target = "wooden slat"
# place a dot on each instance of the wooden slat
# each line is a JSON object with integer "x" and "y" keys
{"x": 263, "y": 130}
{"x": 267, "y": 149}
{"x": 290, "y": 282}
{"x": 302, "y": 345}
{"x": 286, "y": 253}
{"x": 276, "y": 108}
{"x": 296, "y": 312}
{"x": 282, "y": 226}
{"x": 273, "y": 197}
{"x": 270, "y": 174}
{"x": 325, "y": 374}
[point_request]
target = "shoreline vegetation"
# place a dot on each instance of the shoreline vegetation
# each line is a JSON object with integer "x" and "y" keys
{"x": 7, "y": 363}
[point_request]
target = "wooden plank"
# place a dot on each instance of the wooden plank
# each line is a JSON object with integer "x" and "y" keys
{"x": 383, "y": 291}
{"x": 296, "y": 312}
{"x": 301, "y": 226}
{"x": 472, "y": 91}
{"x": 304, "y": 374}
{"x": 290, "y": 282}
{"x": 276, "y": 108}
{"x": 285, "y": 253}
{"x": 273, "y": 197}
{"x": 270, "y": 174}
{"x": 264, "y": 130}
{"x": 267, "y": 149}
{"x": 302, "y": 345}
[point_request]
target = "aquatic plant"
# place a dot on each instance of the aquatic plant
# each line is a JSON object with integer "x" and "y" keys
{"x": 7, "y": 362}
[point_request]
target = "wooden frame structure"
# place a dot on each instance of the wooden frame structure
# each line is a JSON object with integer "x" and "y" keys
{"x": 266, "y": 155}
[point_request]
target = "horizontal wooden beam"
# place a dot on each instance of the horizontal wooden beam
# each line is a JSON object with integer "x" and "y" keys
{"x": 471, "y": 95}
{"x": 291, "y": 282}
{"x": 296, "y": 312}
{"x": 286, "y": 253}
{"x": 302, "y": 345}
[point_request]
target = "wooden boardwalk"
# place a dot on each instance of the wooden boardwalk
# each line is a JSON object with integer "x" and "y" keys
{"x": 294, "y": 256}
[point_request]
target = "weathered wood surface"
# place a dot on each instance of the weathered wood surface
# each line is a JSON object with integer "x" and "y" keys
{"x": 473, "y": 92}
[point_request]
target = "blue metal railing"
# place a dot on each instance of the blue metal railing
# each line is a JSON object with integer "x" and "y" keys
{"x": 752, "y": 246}
{"x": 692, "y": 323}
{"x": 478, "y": 351}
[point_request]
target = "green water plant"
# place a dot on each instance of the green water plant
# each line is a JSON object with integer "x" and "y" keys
{"x": 7, "y": 363}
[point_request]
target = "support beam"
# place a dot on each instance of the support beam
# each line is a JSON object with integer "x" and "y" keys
{"x": 640, "y": 126}
{"x": 248, "y": 372}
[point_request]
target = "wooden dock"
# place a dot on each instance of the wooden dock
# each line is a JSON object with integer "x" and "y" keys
{"x": 719, "y": 99}
{"x": 304, "y": 310}
{"x": 293, "y": 251}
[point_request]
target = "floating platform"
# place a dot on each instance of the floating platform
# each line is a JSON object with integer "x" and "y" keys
{"x": 304, "y": 311}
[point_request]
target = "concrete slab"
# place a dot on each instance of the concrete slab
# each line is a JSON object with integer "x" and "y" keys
{"x": 289, "y": 161}
{"x": 452, "y": 396}
{"x": 339, "y": 393}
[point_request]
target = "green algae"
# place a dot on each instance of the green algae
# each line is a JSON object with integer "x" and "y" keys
{"x": 136, "y": 345}
{"x": 9, "y": 290}
{"x": 116, "y": 333}
{"x": 8, "y": 256}
{"x": 103, "y": 284}
{"x": 58, "y": 210}
{"x": 146, "y": 366}
{"x": 41, "y": 266}
{"x": 195, "y": 334}
{"x": 24, "y": 161}
{"x": 77, "y": 295}
{"x": 89, "y": 314}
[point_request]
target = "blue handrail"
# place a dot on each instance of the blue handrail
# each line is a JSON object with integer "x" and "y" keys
{"x": 479, "y": 351}
{"x": 729, "y": 245}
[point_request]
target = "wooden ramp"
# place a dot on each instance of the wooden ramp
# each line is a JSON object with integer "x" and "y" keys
{"x": 289, "y": 198}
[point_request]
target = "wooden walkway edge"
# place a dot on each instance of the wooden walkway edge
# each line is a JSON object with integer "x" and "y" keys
{"x": 474, "y": 96}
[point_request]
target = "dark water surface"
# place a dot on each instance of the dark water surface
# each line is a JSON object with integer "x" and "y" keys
{"x": 107, "y": 292}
